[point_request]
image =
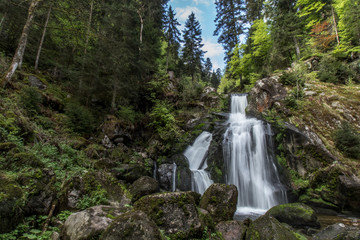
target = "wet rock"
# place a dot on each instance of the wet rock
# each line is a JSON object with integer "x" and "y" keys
{"x": 142, "y": 187}
{"x": 297, "y": 215}
{"x": 133, "y": 225}
{"x": 175, "y": 213}
{"x": 36, "y": 82}
{"x": 89, "y": 223}
{"x": 165, "y": 174}
{"x": 338, "y": 231}
{"x": 210, "y": 97}
{"x": 349, "y": 186}
{"x": 130, "y": 172}
{"x": 183, "y": 173}
{"x": 220, "y": 201}
{"x": 268, "y": 228}
{"x": 232, "y": 230}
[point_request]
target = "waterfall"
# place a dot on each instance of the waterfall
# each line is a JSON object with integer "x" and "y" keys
{"x": 174, "y": 178}
{"x": 196, "y": 155}
{"x": 248, "y": 164}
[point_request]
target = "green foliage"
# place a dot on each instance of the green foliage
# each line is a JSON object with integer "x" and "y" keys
{"x": 128, "y": 114}
{"x": 190, "y": 90}
{"x": 96, "y": 197}
{"x": 80, "y": 118}
{"x": 347, "y": 140}
{"x": 334, "y": 71}
{"x": 30, "y": 99}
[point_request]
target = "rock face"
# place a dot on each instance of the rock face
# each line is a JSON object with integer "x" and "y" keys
{"x": 175, "y": 213}
{"x": 268, "y": 228}
{"x": 338, "y": 231}
{"x": 232, "y": 230}
{"x": 165, "y": 175}
{"x": 35, "y": 82}
{"x": 220, "y": 201}
{"x": 133, "y": 225}
{"x": 350, "y": 187}
{"x": 297, "y": 215}
{"x": 264, "y": 95}
{"x": 130, "y": 172}
{"x": 142, "y": 187}
{"x": 89, "y": 223}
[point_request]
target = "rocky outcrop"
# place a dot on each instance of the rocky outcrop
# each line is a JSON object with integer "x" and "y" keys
{"x": 165, "y": 176}
{"x": 133, "y": 225}
{"x": 90, "y": 223}
{"x": 338, "y": 231}
{"x": 232, "y": 230}
{"x": 220, "y": 201}
{"x": 142, "y": 187}
{"x": 116, "y": 132}
{"x": 350, "y": 188}
{"x": 130, "y": 172}
{"x": 36, "y": 82}
{"x": 297, "y": 215}
{"x": 175, "y": 213}
{"x": 268, "y": 228}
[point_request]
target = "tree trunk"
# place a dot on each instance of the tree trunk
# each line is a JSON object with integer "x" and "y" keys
{"x": 335, "y": 25}
{"x": 18, "y": 57}
{"x": 297, "y": 48}
{"x": 139, "y": 11}
{"x": 113, "y": 100}
{"x": 42, "y": 38}
{"x": 1, "y": 22}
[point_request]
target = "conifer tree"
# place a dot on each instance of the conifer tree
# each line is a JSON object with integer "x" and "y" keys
{"x": 172, "y": 36}
{"x": 192, "y": 52}
{"x": 207, "y": 70}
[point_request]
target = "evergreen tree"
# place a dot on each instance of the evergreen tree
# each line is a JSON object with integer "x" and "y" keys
{"x": 207, "y": 71}
{"x": 192, "y": 52}
{"x": 172, "y": 36}
{"x": 230, "y": 23}
{"x": 216, "y": 78}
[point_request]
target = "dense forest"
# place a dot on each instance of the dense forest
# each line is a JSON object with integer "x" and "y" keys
{"x": 96, "y": 94}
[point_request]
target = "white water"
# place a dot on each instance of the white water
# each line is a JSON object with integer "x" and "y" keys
{"x": 248, "y": 164}
{"x": 174, "y": 178}
{"x": 196, "y": 155}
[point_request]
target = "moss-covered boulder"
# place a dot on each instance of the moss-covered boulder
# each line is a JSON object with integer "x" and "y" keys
{"x": 232, "y": 230}
{"x": 133, "y": 225}
{"x": 10, "y": 195}
{"x": 268, "y": 228}
{"x": 338, "y": 231}
{"x": 297, "y": 215}
{"x": 90, "y": 223}
{"x": 130, "y": 172}
{"x": 142, "y": 187}
{"x": 175, "y": 213}
{"x": 220, "y": 201}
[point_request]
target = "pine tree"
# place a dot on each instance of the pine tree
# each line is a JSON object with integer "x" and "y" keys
{"x": 207, "y": 71}
{"x": 172, "y": 36}
{"x": 230, "y": 20}
{"x": 192, "y": 52}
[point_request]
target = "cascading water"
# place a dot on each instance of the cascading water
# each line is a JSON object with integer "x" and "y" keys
{"x": 248, "y": 164}
{"x": 173, "y": 187}
{"x": 196, "y": 155}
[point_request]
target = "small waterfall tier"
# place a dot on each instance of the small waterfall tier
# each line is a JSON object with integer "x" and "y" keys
{"x": 197, "y": 156}
{"x": 249, "y": 165}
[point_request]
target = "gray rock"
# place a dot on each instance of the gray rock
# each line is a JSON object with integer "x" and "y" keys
{"x": 36, "y": 82}
{"x": 142, "y": 187}
{"x": 133, "y": 225}
{"x": 89, "y": 223}
{"x": 338, "y": 231}
{"x": 232, "y": 230}
{"x": 310, "y": 93}
{"x": 165, "y": 175}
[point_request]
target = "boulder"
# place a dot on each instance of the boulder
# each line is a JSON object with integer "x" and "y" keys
{"x": 232, "y": 230}
{"x": 220, "y": 201}
{"x": 90, "y": 223}
{"x": 268, "y": 228}
{"x": 297, "y": 215}
{"x": 36, "y": 82}
{"x": 175, "y": 213}
{"x": 350, "y": 188}
{"x": 338, "y": 231}
{"x": 133, "y": 225}
{"x": 130, "y": 172}
{"x": 115, "y": 129}
{"x": 165, "y": 174}
{"x": 142, "y": 187}
{"x": 183, "y": 173}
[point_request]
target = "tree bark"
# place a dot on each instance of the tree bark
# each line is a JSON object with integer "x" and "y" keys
{"x": 335, "y": 25}
{"x": 139, "y": 11}
{"x": 18, "y": 57}
{"x": 297, "y": 48}
{"x": 42, "y": 38}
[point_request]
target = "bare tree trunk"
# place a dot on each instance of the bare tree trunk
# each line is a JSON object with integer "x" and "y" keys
{"x": 18, "y": 57}
{"x": 335, "y": 25}
{"x": 42, "y": 38}
{"x": 297, "y": 48}
{"x": 139, "y": 11}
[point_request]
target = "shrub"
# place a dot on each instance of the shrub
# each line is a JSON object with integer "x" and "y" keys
{"x": 128, "y": 114}
{"x": 347, "y": 140}
{"x": 30, "y": 99}
{"x": 334, "y": 71}
{"x": 80, "y": 118}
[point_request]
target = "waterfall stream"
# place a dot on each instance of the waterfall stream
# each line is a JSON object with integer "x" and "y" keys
{"x": 196, "y": 155}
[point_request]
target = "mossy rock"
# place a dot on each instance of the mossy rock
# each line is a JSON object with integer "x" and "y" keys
{"x": 268, "y": 228}
{"x": 130, "y": 172}
{"x": 232, "y": 229}
{"x": 143, "y": 186}
{"x": 10, "y": 203}
{"x": 17, "y": 160}
{"x": 6, "y": 146}
{"x": 297, "y": 215}
{"x": 133, "y": 225}
{"x": 175, "y": 213}
{"x": 220, "y": 201}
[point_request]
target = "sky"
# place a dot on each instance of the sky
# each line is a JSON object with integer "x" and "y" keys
{"x": 205, "y": 13}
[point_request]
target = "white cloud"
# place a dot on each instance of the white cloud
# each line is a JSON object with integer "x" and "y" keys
{"x": 183, "y": 13}
{"x": 205, "y": 2}
{"x": 213, "y": 49}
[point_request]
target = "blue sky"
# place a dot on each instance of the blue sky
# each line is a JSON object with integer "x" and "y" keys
{"x": 205, "y": 13}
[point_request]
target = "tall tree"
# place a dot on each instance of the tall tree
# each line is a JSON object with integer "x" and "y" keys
{"x": 230, "y": 23}
{"x": 18, "y": 56}
{"x": 192, "y": 52}
{"x": 42, "y": 37}
{"x": 172, "y": 35}
{"x": 207, "y": 70}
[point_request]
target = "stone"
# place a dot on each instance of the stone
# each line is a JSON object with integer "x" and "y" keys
{"x": 338, "y": 231}
{"x": 89, "y": 223}
{"x": 36, "y": 82}
{"x": 220, "y": 201}
{"x": 165, "y": 175}
{"x": 133, "y": 225}
{"x": 268, "y": 228}
{"x": 297, "y": 215}
{"x": 232, "y": 230}
{"x": 175, "y": 213}
{"x": 350, "y": 188}
{"x": 143, "y": 186}
{"x": 130, "y": 172}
